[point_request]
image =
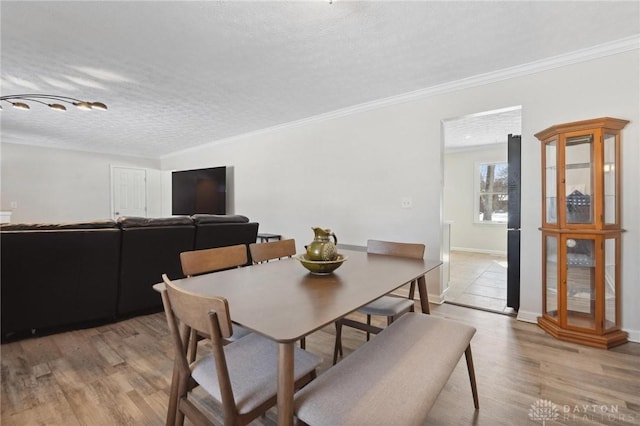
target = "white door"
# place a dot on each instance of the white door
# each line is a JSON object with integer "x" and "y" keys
{"x": 128, "y": 192}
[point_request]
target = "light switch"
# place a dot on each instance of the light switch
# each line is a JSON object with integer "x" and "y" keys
{"x": 406, "y": 202}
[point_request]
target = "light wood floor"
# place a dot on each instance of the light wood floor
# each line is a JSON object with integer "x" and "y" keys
{"x": 119, "y": 374}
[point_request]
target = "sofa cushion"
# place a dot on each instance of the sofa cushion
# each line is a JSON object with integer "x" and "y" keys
{"x": 219, "y": 218}
{"x": 98, "y": 224}
{"x": 139, "y": 222}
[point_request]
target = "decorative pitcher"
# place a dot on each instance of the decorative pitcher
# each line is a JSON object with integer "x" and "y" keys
{"x": 321, "y": 248}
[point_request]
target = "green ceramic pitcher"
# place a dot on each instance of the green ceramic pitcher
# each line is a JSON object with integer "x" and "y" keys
{"x": 321, "y": 248}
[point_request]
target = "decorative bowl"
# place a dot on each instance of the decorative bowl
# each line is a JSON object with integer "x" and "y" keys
{"x": 321, "y": 267}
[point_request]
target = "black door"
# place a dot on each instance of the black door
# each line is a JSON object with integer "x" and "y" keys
{"x": 513, "y": 222}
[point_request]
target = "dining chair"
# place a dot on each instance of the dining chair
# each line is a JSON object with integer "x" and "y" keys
{"x": 390, "y": 306}
{"x": 241, "y": 377}
{"x": 198, "y": 262}
{"x": 264, "y": 252}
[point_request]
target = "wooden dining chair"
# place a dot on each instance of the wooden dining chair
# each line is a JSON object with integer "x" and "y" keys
{"x": 198, "y": 262}
{"x": 390, "y": 306}
{"x": 241, "y": 377}
{"x": 264, "y": 252}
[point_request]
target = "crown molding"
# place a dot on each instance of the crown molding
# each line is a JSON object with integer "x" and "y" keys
{"x": 582, "y": 55}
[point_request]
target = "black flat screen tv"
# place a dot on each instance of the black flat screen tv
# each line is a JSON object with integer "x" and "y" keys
{"x": 201, "y": 191}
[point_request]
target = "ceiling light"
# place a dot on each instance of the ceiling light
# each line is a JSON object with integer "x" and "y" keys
{"x": 83, "y": 105}
{"x": 46, "y": 99}
{"x": 99, "y": 106}
{"x": 20, "y": 105}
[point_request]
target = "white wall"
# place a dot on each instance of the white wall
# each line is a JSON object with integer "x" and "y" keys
{"x": 54, "y": 185}
{"x": 459, "y": 197}
{"x": 350, "y": 173}
{"x": 344, "y": 174}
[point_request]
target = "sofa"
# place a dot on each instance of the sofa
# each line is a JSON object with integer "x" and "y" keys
{"x": 66, "y": 275}
{"x": 148, "y": 247}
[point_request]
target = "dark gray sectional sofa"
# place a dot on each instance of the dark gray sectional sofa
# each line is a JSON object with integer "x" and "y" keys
{"x": 65, "y": 275}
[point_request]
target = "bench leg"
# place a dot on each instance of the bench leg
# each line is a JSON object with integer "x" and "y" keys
{"x": 472, "y": 376}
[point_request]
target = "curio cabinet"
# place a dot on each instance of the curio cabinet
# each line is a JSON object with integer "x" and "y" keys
{"x": 581, "y": 232}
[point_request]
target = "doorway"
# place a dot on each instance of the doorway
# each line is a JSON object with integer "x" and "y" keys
{"x": 475, "y": 205}
{"x": 478, "y": 280}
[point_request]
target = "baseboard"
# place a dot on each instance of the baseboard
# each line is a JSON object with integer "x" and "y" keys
{"x": 526, "y": 316}
{"x": 634, "y": 335}
{"x": 475, "y": 250}
{"x": 437, "y": 299}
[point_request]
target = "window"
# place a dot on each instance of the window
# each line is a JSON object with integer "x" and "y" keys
{"x": 491, "y": 193}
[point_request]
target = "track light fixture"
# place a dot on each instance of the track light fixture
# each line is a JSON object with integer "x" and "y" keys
{"x": 52, "y": 101}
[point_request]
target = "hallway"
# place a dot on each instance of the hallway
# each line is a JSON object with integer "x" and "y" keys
{"x": 478, "y": 280}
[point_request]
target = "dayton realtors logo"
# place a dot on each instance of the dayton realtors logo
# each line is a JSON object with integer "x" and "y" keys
{"x": 544, "y": 410}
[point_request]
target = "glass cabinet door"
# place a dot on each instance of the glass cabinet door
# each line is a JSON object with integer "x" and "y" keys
{"x": 551, "y": 276}
{"x": 610, "y": 280}
{"x": 610, "y": 168}
{"x": 579, "y": 179}
{"x": 551, "y": 182}
{"x": 581, "y": 282}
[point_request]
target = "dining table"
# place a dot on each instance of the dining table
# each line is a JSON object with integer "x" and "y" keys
{"x": 283, "y": 301}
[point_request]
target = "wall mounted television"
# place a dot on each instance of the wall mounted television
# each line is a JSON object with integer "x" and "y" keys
{"x": 201, "y": 191}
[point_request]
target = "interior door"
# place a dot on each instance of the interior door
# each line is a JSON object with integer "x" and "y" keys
{"x": 128, "y": 192}
{"x": 513, "y": 222}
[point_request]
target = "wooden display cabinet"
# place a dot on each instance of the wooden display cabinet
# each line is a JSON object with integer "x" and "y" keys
{"x": 581, "y": 232}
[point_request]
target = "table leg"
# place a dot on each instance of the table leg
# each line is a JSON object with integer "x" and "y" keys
{"x": 285, "y": 384}
{"x": 424, "y": 297}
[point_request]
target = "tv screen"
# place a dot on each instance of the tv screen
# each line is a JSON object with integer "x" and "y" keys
{"x": 199, "y": 191}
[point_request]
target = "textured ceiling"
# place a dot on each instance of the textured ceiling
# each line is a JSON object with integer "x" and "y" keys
{"x": 181, "y": 74}
{"x": 481, "y": 129}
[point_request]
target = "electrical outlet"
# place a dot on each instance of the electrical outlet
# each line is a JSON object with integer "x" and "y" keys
{"x": 406, "y": 202}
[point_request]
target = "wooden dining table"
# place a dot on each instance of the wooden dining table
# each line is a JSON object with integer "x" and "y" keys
{"x": 282, "y": 301}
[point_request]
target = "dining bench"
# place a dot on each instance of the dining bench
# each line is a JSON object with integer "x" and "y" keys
{"x": 393, "y": 379}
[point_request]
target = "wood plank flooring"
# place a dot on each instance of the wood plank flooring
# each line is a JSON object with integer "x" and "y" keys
{"x": 119, "y": 374}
